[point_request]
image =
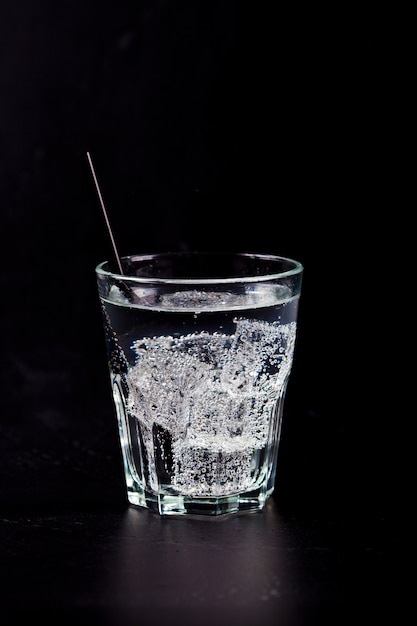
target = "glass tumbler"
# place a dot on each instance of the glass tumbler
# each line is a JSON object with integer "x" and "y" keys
{"x": 200, "y": 348}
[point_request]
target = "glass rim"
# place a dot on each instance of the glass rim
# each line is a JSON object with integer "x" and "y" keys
{"x": 250, "y": 278}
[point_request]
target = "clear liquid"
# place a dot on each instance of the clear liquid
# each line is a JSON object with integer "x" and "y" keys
{"x": 201, "y": 377}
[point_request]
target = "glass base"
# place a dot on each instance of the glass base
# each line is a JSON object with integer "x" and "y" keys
{"x": 168, "y": 504}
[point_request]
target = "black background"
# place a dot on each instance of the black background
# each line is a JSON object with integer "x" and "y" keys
{"x": 212, "y": 126}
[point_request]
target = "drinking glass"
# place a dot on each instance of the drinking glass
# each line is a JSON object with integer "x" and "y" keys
{"x": 200, "y": 348}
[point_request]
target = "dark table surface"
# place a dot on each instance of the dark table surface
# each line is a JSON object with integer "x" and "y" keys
{"x": 120, "y": 565}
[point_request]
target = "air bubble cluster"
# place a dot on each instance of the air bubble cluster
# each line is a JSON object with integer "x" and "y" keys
{"x": 210, "y": 398}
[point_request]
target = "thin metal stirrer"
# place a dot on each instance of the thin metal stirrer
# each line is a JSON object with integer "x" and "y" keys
{"x": 100, "y": 197}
